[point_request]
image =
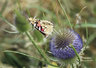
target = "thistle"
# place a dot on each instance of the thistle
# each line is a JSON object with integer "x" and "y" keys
{"x": 21, "y": 23}
{"x": 60, "y": 45}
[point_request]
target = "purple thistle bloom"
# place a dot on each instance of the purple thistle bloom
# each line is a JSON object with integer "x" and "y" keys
{"x": 61, "y": 41}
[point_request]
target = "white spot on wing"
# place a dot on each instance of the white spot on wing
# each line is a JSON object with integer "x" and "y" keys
{"x": 34, "y": 25}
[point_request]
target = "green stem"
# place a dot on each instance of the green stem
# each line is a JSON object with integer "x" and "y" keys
{"x": 86, "y": 34}
{"x": 37, "y": 47}
{"x": 76, "y": 53}
{"x": 72, "y": 66}
{"x": 65, "y": 13}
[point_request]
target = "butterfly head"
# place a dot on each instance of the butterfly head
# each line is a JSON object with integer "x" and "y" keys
{"x": 32, "y": 20}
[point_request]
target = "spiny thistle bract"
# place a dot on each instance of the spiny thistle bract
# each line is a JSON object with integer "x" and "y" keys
{"x": 60, "y": 44}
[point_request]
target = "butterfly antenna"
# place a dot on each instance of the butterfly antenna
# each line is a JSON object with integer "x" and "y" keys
{"x": 35, "y": 17}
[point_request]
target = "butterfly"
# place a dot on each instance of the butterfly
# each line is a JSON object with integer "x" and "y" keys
{"x": 44, "y": 26}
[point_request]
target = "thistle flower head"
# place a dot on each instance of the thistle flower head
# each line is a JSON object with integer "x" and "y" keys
{"x": 61, "y": 41}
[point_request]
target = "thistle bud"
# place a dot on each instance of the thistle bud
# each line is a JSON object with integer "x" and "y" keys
{"x": 21, "y": 23}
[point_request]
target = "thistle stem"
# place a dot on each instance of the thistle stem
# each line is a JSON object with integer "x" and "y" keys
{"x": 37, "y": 47}
{"x": 76, "y": 53}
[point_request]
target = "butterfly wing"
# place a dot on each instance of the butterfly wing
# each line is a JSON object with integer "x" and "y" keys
{"x": 44, "y": 26}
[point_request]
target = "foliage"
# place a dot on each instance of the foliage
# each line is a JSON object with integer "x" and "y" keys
{"x": 16, "y": 50}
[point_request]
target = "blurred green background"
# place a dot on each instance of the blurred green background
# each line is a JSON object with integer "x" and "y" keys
{"x": 84, "y": 24}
